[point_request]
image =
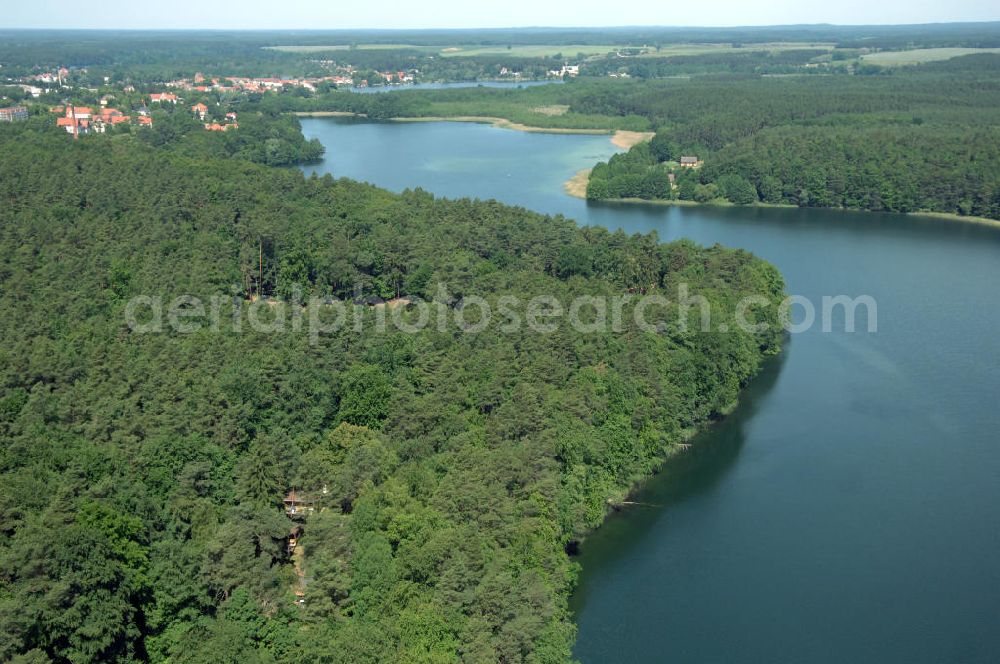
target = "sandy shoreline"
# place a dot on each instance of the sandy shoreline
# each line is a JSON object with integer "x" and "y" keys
{"x": 577, "y": 185}
{"x": 629, "y": 139}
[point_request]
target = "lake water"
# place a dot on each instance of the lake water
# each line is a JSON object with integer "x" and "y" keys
{"x": 849, "y": 510}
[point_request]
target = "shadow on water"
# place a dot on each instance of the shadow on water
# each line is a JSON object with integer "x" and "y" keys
{"x": 694, "y": 471}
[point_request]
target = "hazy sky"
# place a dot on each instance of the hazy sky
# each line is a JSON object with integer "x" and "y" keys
{"x": 320, "y": 14}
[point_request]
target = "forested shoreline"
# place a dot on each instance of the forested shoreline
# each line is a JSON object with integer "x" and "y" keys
{"x": 142, "y": 475}
{"x": 923, "y": 140}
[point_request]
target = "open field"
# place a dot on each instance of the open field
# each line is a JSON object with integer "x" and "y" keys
{"x": 522, "y": 51}
{"x": 566, "y": 50}
{"x": 531, "y": 51}
{"x": 916, "y": 56}
{"x": 571, "y": 50}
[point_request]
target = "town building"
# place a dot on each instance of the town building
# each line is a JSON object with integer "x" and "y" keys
{"x": 76, "y": 120}
{"x": 80, "y": 112}
{"x": 108, "y": 117}
{"x": 566, "y": 70}
{"x": 13, "y": 113}
{"x": 215, "y": 126}
{"x": 46, "y": 77}
{"x": 34, "y": 91}
{"x": 74, "y": 125}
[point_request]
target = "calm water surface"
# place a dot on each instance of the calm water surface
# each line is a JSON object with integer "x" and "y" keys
{"x": 849, "y": 511}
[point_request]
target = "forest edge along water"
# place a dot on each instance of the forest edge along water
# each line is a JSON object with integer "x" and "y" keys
{"x": 847, "y": 510}
{"x": 623, "y": 139}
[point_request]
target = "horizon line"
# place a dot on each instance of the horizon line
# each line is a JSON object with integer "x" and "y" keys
{"x": 504, "y": 28}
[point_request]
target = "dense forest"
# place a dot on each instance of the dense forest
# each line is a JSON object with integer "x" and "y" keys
{"x": 921, "y": 139}
{"x": 263, "y": 138}
{"x": 652, "y": 65}
{"x": 142, "y": 475}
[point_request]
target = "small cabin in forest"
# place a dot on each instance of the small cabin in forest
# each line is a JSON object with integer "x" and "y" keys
{"x": 297, "y": 504}
{"x": 690, "y": 162}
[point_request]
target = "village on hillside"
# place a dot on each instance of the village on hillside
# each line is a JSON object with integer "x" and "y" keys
{"x": 85, "y": 118}
{"x": 91, "y": 110}
{"x": 77, "y": 120}
{"x": 124, "y": 106}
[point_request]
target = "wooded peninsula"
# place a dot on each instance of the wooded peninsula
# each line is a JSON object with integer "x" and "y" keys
{"x": 142, "y": 476}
